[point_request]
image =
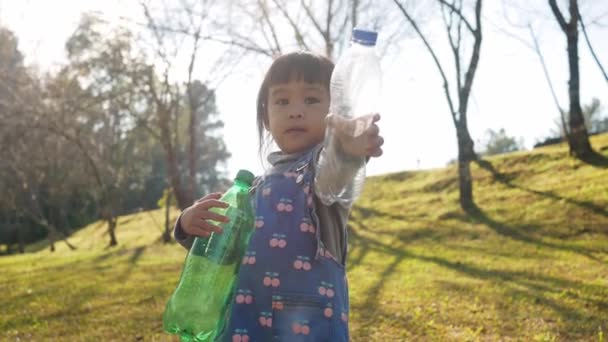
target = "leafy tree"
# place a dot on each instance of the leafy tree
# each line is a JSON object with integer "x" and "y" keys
{"x": 498, "y": 142}
{"x": 211, "y": 147}
{"x": 128, "y": 100}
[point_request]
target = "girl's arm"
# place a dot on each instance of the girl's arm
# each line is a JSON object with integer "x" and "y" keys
{"x": 180, "y": 236}
{"x": 343, "y": 157}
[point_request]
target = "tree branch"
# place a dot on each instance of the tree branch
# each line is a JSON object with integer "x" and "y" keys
{"x": 446, "y": 86}
{"x": 244, "y": 46}
{"x": 273, "y": 32}
{"x": 597, "y": 61}
{"x": 558, "y": 15}
{"x": 311, "y": 16}
{"x": 459, "y": 13}
{"x": 454, "y": 45}
{"x": 548, "y": 78}
{"x": 472, "y": 68}
{"x": 296, "y": 30}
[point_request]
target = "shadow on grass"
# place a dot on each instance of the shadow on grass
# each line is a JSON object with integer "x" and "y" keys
{"x": 596, "y": 159}
{"x": 135, "y": 254}
{"x": 75, "y": 296}
{"x": 504, "y": 179}
{"x": 369, "y": 212}
{"x": 516, "y": 233}
{"x": 539, "y": 289}
{"x": 399, "y": 176}
{"x": 60, "y": 276}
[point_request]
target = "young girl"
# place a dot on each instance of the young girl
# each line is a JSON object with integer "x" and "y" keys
{"x": 292, "y": 284}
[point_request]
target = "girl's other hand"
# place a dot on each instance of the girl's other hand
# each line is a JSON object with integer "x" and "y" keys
{"x": 194, "y": 220}
{"x": 366, "y": 144}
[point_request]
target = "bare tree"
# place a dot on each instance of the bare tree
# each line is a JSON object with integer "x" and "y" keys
{"x": 273, "y": 27}
{"x": 455, "y": 22}
{"x": 588, "y": 41}
{"x": 578, "y": 139}
{"x": 538, "y": 52}
{"x": 172, "y": 28}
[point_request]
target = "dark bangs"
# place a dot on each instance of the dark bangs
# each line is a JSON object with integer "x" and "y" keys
{"x": 295, "y": 66}
{"x": 300, "y": 66}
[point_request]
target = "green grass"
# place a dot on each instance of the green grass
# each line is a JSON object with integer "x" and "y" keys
{"x": 531, "y": 265}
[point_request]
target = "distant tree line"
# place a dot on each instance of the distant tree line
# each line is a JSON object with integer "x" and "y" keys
{"x": 131, "y": 117}
{"x": 99, "y": 137}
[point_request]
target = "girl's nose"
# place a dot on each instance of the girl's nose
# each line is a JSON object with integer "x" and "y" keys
{"x": 297, "y": 112}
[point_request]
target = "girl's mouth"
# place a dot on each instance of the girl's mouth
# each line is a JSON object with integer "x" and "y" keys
{"x": 295, "y": 130}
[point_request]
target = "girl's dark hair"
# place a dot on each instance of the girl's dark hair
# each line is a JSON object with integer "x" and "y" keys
{"x": 306, "y": 66}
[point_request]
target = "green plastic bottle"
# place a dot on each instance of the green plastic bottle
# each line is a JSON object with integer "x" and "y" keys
{"x": 199, "y": 306}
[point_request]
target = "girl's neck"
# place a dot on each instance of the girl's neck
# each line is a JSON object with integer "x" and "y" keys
{"x": 281, "y": 156}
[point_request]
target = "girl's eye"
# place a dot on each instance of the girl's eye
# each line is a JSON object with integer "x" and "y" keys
{"x": 311, "y": 100}
{"x": 281, "y": 102}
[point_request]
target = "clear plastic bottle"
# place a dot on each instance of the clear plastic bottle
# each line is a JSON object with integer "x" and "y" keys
{"x": 355, "y": 91}
{"x": 197, "y": 310}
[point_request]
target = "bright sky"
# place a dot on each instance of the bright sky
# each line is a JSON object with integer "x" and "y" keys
{"x": 510, "y": 90}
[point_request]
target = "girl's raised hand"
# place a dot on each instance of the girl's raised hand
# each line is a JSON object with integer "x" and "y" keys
{"x": 194, "y": 220}
{"x": 366, "y": 144}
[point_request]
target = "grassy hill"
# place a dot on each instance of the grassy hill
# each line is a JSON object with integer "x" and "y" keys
{"x": 531, "y": 265}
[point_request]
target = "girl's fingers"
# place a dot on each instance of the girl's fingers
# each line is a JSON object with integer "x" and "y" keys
{"x": 197, "y": 229}
{"x": 210, "y": 203}
{"x": 214, "y": 195}
{"x": 374, "y": 142}
{"x": 374, "y": 149}
{"x": 210, "y": 215}
{"x": 376, "y": 118}
{"x": 211, "y": 227}
{"x": 377, "y": 153}
{"x": 373, "y": 130}
{"x": 207, "y": 227}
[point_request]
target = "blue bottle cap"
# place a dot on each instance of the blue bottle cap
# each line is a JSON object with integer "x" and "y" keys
{"x": 365, "y": 37}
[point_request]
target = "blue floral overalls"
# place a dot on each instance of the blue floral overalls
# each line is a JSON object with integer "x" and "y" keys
{"x": 290, "y": 288}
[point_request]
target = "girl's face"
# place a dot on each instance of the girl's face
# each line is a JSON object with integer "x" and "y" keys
{"x": 296, "y": 114}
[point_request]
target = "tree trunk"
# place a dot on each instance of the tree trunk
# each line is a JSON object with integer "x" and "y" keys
{"x": 578, "y": 139}
{"x": 66, "y": 230}
{"x": 466, "y": 154}
{"x": 112, "y": 230}
{"x": 181, "y": 196}
{"x": 20, "y": 241}
{"x": 192, "y": 146}
{"x": 167, "y": 233}
{"x": 465, "y": 185}
{"x": 52, "y": 235}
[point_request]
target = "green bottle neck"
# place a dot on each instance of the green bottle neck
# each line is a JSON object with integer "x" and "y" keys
{"x": 241, "y": 185}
